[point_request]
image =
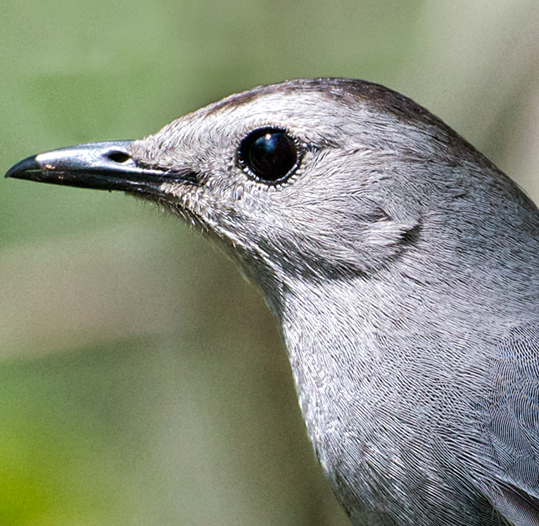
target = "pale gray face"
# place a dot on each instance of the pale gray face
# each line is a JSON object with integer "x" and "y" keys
{"x": 280, "y": 174}
{"x": 306, "y": 178}
{"x": 323, "y": 202}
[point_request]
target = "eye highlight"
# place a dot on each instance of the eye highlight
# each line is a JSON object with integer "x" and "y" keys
{"x": 269, "y": 155}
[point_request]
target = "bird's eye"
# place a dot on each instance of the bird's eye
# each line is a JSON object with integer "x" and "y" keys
{"x": 269, "y": 154}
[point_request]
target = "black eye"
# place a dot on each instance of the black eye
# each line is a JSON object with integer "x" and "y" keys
{"x": 269, "y": 154}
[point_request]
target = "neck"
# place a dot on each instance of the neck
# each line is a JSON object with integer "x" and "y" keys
{"x": 367, "y": 371}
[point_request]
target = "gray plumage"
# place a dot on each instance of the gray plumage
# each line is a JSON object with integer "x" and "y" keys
{"x": 401, "y": 266}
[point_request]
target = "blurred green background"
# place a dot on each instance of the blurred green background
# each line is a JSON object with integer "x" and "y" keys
{"x": 142, "y": 381}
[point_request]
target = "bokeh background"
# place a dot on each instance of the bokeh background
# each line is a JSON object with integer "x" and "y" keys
{"x": 142, "y": 381}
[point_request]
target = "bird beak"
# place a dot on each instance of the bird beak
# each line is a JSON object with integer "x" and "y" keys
{"x": 98, "y": 165}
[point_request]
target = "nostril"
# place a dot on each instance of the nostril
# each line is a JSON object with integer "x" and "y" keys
{"x": 118, "y": 156}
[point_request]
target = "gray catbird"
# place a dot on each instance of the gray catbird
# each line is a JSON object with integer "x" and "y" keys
{"x": 402, "y": 267}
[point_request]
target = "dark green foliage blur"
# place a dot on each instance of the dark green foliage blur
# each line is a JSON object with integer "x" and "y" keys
{"x": 142, "y": 380}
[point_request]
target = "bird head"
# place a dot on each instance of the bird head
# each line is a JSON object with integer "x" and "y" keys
{"x": 310, "y": 179}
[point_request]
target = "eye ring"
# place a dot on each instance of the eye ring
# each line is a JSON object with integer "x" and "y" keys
{"x": 269, "y": 155}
